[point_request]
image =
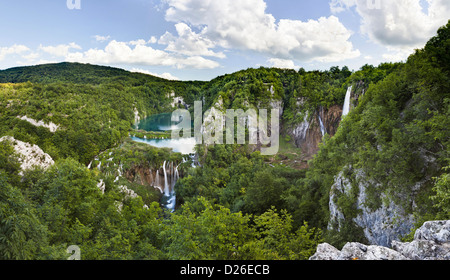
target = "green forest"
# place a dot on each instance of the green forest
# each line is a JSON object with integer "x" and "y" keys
{"x": 236, "y": 204}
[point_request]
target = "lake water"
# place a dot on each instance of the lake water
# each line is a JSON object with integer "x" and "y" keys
{"x": 184, "y": 146}
{"x": 163, "y": 122}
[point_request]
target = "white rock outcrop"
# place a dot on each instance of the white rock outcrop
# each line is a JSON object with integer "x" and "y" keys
{"x": 51, "y": 126}
{"x": 381, "y": 226}
{"x": 431, "y": 242}
{"x": 29, "y": 155}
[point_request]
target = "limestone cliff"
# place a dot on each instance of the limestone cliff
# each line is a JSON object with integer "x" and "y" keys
{"x": 308, "y": 134}
{"x": 29, "y": 155}
{"x": 381, "y": 225}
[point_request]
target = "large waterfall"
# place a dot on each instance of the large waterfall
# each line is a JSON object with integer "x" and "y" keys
{"x": 346, "y": 109}
{"x": 323, "y": 130}
{"x": 171, "y": 175}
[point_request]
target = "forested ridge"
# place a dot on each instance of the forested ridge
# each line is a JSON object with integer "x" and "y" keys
{"x": 237, "y": 204}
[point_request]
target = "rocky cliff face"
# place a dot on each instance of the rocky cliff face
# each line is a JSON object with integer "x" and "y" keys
{"x": 431, "y": 242}
{"x": 29, "y": 155}
{"x": 308, "y": 134}
{"x": 381, "y": 225}
{"x": 161, "y": 178}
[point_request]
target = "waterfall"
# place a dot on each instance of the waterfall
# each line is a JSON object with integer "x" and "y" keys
{"x": 346, "y": 109}
{"x": 169, "y": 192}
{"x": 166, "y": 184}
{"x": 171, "y": 175}
{"x": 157, "y": 183}
{"x": 322, "y": 127}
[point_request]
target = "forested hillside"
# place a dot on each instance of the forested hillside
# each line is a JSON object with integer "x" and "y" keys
{"x": 386, "y": 161}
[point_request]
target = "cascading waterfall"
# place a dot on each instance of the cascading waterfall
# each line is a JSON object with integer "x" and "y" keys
{"x": 169, "y": 171}
{"x": 169, "y": 188}
{"x": 322, "y": 127}
{"x": 166, "y": 184}
{"x": 157, "y": 183}
{"x": 346, "y": 109}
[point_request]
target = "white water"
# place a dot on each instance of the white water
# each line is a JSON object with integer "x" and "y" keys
{"x": 346, "y": 109}
{"x": 184, "y": 146}
{"x": 166, "y": 184}
{"x": 169, "y": 189}
{"x": 322, "y": 127}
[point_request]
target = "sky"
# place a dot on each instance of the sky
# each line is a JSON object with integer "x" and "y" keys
{"x": 203, "y": 39}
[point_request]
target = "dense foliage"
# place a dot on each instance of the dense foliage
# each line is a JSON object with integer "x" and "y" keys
{"x": 398, "y": 136}
{"x": 237, "y": 204}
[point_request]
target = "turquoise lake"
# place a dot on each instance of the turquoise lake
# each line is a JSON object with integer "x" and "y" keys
{"x": 160, "y": 123}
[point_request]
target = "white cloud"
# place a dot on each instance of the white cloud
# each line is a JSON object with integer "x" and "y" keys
{"x": 396, "y": 55}
{"x": 282, "y": 63}
{"x": 100, "y": 38}
{"x": 59, "y": 50}
{"x": 403, "y": 25}
{"x": 337, "y": 6}
{"x": 14, "y": 49}
{"x": 166, "y": 76}
{"x": 188, "y": 42}
{"x": 138, "y": 53}
{"x": 246, "y": 25}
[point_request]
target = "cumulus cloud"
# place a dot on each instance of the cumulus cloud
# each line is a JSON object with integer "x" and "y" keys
{"x": 166, "y": 75}
{"x": 59, "y": 50}
{"x": 100, "y": 38}
{"x": 14, "y": 49}
{"x": 282, "y": 63}
{"x": 188, "y": 42}
{"x": 138, "y": 53}
{"x": 403, "y": 25}
{"x": 246, "y": 25}
{"x": 337, "y": 6}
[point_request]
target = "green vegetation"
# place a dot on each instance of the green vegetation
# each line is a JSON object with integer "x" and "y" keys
{"x": 238, "y": 204}
{"x": 398, "y": 136}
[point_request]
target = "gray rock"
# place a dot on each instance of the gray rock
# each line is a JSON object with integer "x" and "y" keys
{"x": 431, "y": 242}
{"x": 381, "y": 226}
{"x": 325, "y": 252}
{"x": 423, "y": 250}
{"x": 438, "y": 231}
{"x": 356, "y": 251}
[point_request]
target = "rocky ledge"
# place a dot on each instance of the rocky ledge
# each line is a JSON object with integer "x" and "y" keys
{"x": 431, "y": 242}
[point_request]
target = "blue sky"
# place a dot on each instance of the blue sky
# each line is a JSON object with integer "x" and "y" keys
{"x": 202, "y": 39}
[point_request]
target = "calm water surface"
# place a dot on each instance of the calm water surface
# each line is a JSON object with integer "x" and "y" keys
{"x": 163, "y": 122}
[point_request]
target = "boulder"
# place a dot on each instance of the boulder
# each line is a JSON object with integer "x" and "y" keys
{"x": 431, "y": 242}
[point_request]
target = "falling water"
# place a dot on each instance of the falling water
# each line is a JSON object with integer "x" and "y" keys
{"x": 346, "y": 109}
{"x": 169, "y": 190}
{"x": 157, "y": 182}
{"x": 322, "y": 127}
{"x": 166, "y": 184}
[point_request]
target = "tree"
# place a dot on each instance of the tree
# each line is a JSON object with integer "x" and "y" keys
{"x": 442, "y": 197}
{"x": 275, "y": 234}
{"x": 68, "y": 196}
{"x": 213, "y": 234}
{"x": 22, "y": 236}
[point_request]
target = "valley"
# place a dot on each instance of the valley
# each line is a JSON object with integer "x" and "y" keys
{"x": 87, "y": 158}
